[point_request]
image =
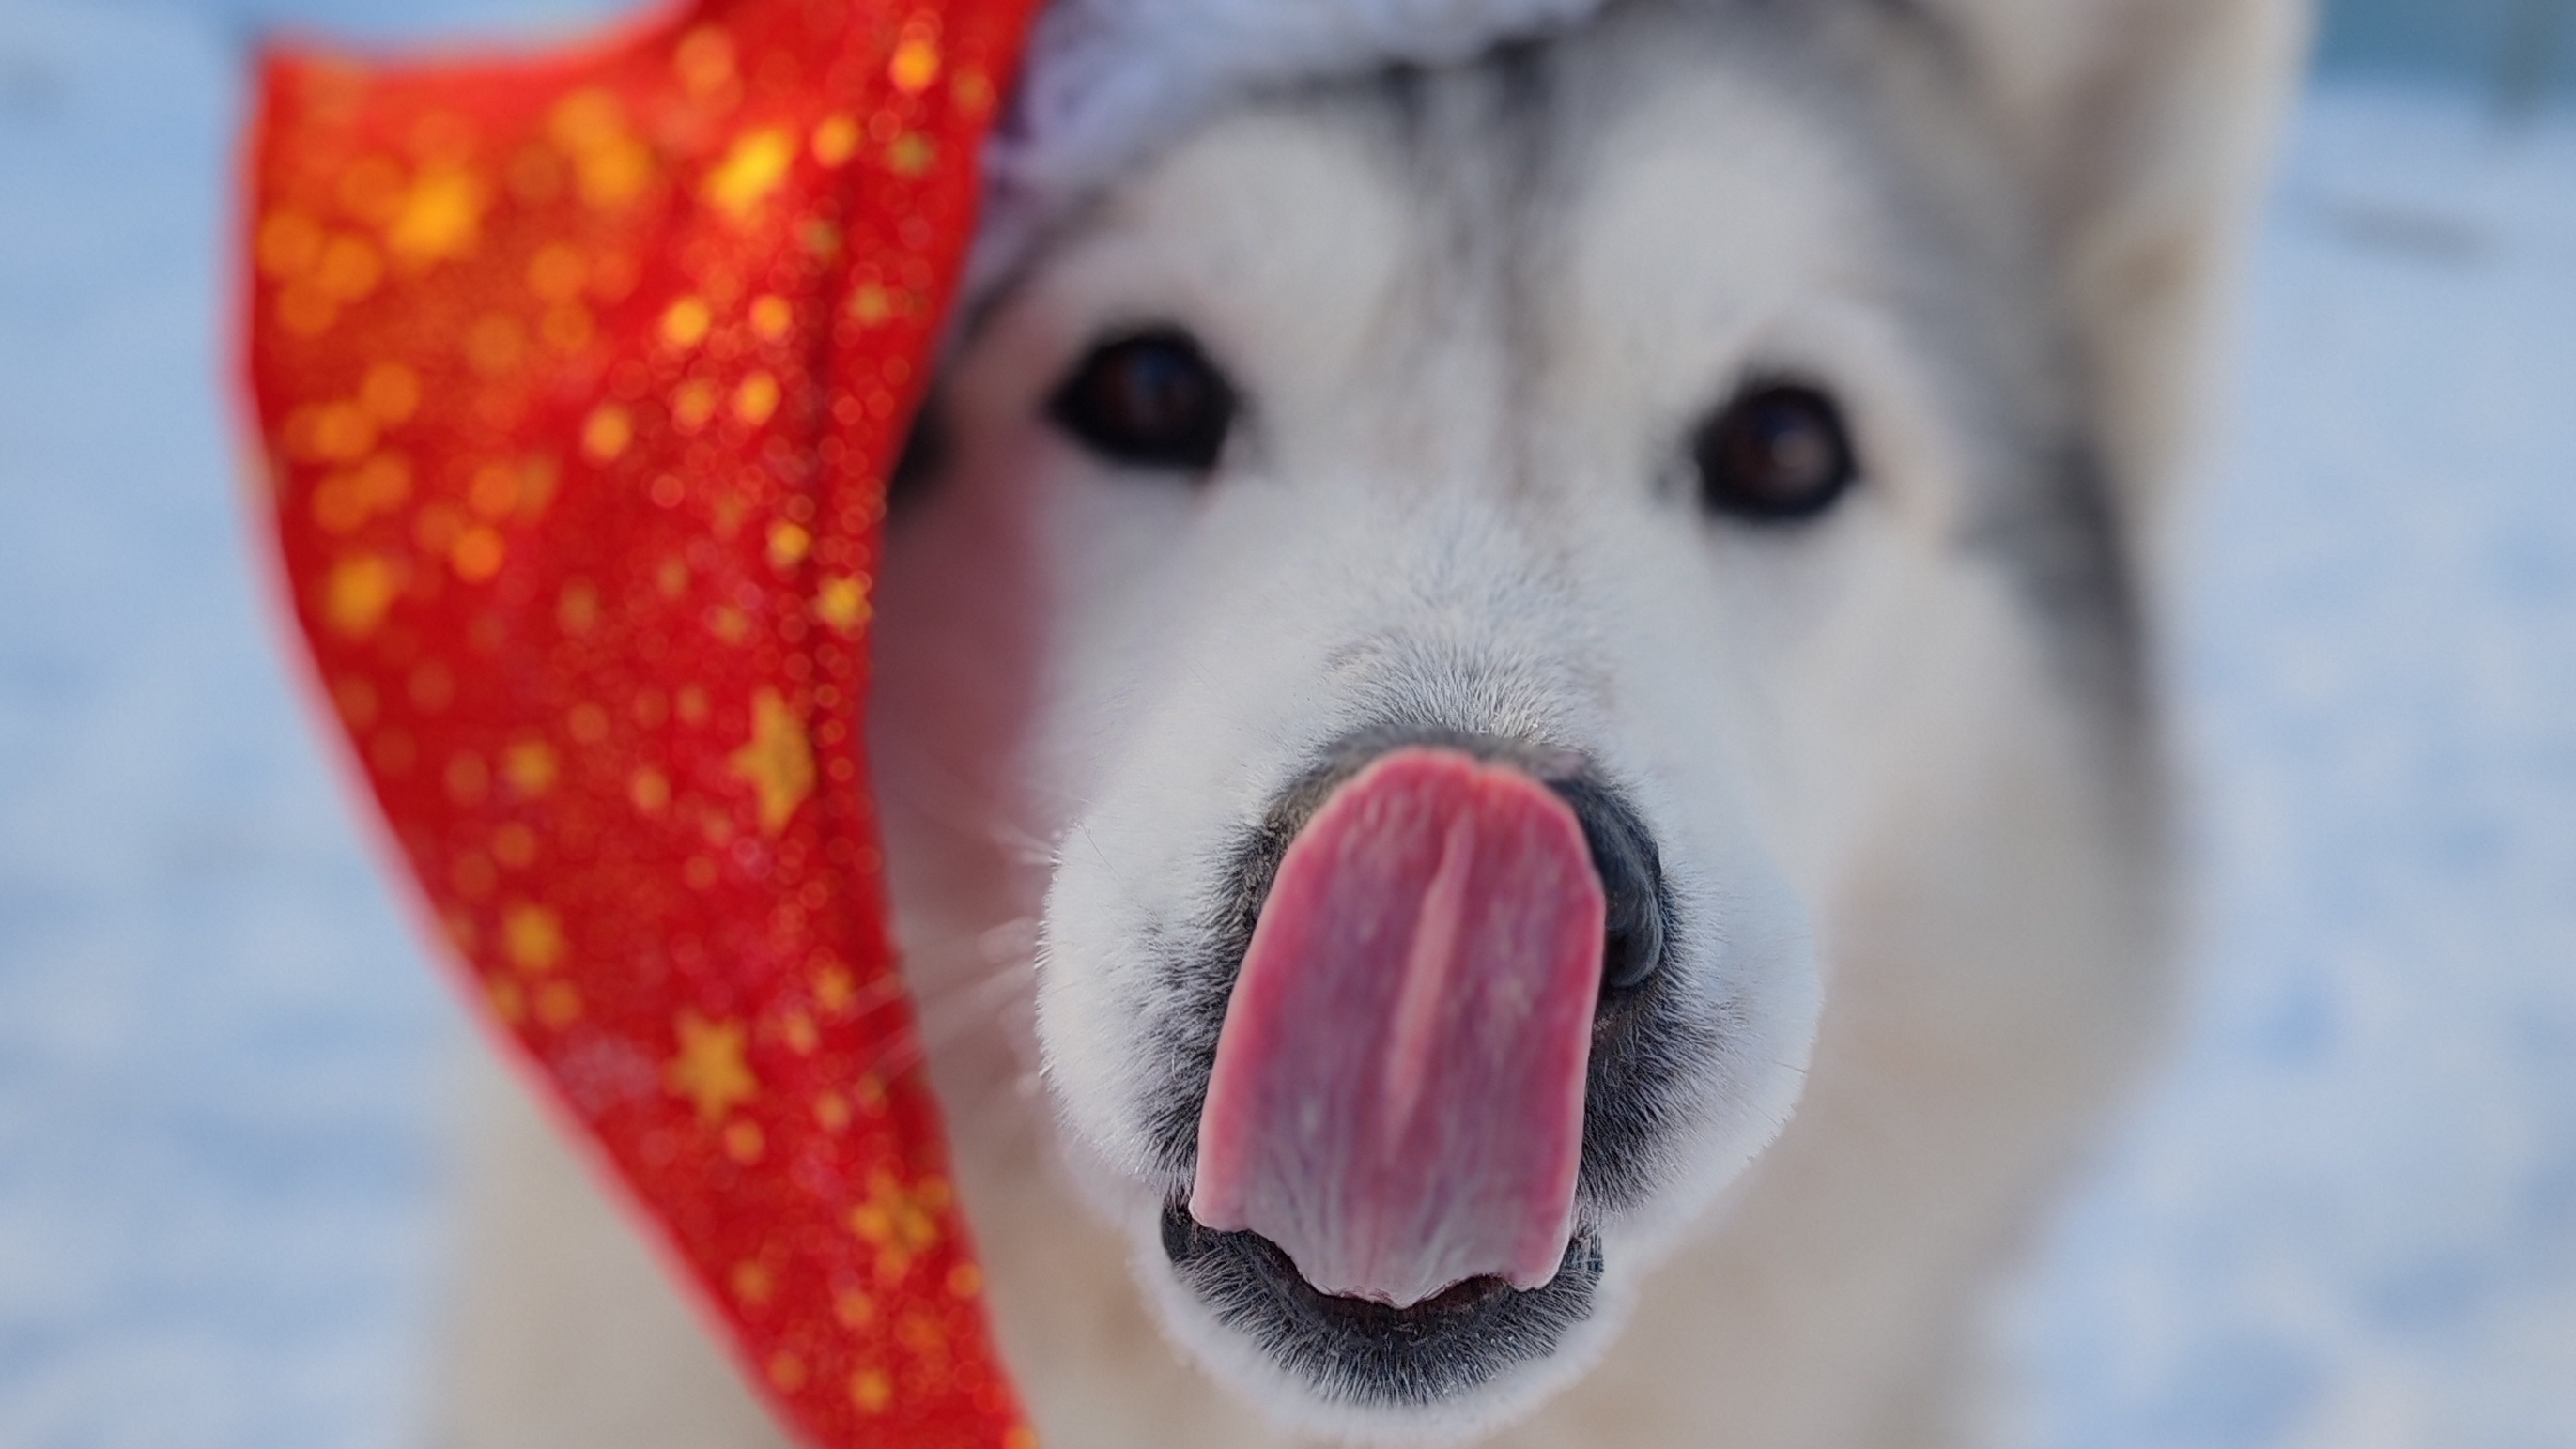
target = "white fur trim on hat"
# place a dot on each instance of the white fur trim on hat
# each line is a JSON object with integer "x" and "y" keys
{"x": 1104, "y": 81}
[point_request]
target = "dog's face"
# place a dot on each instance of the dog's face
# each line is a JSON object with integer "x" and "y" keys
{"x": 1611, "y": 444}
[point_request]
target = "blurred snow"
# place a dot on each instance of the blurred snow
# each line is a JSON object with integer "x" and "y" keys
{"x": 2346, "y": 1220}
{"x": 216, "y": 1041}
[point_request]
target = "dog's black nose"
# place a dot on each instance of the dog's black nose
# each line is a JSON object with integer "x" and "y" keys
{"x": 1632, "y": 879}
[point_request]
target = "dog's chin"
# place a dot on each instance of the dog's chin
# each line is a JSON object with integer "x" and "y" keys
{"x": 1454, "y": 1366}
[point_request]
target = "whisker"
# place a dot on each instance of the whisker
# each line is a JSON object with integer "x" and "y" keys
{"x": 944, "y": 797}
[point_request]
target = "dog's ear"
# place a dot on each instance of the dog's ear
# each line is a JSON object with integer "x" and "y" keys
{"x": 2146, "y": 125}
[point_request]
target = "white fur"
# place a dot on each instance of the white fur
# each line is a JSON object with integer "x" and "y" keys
{"x": 1915, "y": 853}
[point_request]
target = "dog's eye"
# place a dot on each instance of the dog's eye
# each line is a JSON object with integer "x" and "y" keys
{"x": 1775, "y": 454}
{"x": 1148, "y": 400}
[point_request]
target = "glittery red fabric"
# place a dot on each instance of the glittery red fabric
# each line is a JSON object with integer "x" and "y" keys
{"x": 577, "y": 377}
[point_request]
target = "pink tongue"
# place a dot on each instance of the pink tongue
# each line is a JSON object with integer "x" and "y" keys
{"x": 1398, "y": 1096}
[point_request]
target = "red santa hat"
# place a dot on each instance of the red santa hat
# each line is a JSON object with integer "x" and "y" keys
{"x": 576, "y": 378}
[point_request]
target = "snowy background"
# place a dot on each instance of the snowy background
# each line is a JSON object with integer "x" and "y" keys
{"x": 2346, "y": 1219}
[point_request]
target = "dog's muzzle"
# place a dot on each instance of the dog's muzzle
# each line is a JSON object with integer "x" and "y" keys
{"x": 1437, "y": 1059}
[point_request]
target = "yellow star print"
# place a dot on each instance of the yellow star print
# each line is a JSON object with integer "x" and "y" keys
{"x": 900, "y": 1223}
{"x": 709, "y": 1069}
{"x": 751, "y": 170}
{"x": 842, "y": 602}
{"x": 779, "y": 761}
{"x": 440, "y": 218}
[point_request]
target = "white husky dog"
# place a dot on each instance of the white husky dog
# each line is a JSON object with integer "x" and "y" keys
{"x": 1515, "y": 729}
